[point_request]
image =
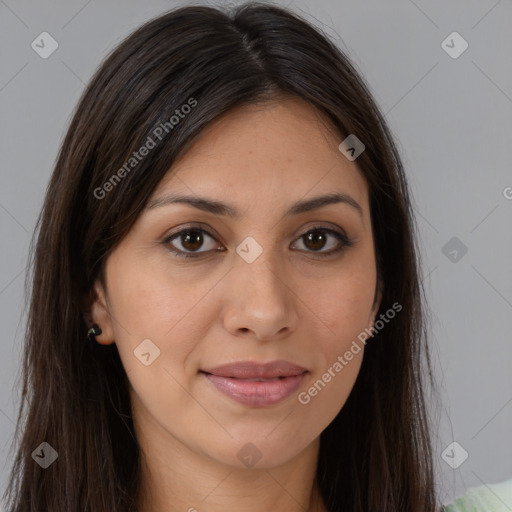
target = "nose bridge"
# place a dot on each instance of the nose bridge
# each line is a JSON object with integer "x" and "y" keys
{"x": 259, "y": 300}
{"x": 259, "y": 267}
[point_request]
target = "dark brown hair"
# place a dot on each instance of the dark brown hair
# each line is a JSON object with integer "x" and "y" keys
{"x": 376, "y": 454}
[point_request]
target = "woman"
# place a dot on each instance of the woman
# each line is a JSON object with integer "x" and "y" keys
{"x": 226, "y": 304}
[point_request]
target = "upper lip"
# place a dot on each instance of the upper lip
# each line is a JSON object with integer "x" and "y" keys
{"x": 253, "y": 370}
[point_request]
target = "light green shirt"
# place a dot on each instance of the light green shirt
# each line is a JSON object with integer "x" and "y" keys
{"x": 485, "y": 498}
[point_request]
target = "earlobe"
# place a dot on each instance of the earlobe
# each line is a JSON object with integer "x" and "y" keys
{"x": 100, "y": 315}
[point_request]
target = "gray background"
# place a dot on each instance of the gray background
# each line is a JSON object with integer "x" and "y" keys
{"x": 452, "y": 119}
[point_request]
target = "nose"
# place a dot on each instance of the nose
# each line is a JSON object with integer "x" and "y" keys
{"x": 261, "y": 299}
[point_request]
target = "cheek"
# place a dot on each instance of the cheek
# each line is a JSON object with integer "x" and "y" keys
{"x": 345, "y": 307}
{"x": 146, "y": 305}
{"x": 148, "y": 301}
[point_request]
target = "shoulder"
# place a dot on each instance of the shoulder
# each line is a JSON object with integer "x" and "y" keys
{"x": 485, "y": 498}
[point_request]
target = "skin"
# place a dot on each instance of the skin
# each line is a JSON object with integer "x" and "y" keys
{"x": 290, "y": 303}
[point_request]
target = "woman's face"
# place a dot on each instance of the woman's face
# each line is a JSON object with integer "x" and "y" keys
{"x": 267, "y": 280}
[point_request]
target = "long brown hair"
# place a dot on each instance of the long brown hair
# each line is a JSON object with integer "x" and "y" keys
{"x": 376, "y": 454}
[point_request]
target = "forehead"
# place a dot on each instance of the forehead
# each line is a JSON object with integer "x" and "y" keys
{"x": 278, "y": 151}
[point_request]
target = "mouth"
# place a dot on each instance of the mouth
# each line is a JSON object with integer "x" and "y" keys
{"x": 256, "y": 385}
{"x": 252, "y": 370}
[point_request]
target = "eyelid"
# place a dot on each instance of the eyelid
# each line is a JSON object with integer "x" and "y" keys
{"x": 190, "y": 227}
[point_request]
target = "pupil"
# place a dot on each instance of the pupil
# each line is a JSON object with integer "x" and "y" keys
{"x": 317, "y": 239}
{"x": 188, "y": 240}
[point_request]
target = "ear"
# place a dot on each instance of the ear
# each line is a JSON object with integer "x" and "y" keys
{"x": 99, "y": 314}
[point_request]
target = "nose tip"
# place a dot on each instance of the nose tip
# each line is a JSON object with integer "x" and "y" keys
{"x": 260, "y": 303}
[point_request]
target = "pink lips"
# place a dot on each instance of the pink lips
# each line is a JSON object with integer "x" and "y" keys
{"x": 255, "y": 384}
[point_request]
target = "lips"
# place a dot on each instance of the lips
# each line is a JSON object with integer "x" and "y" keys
{"x": 256, "y": 385}
{"x": 252, "y": 370}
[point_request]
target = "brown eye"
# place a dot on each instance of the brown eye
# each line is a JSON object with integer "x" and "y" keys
{"x": 317, "y": 239}
{"x": 190, "y": 239}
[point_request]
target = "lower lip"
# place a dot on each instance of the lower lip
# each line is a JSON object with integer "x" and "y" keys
{"x": 256, "y": 393}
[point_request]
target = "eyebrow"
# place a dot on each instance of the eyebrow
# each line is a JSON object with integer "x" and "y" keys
{"x": 220, "y": 208}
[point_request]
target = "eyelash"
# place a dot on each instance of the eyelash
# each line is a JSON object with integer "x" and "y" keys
{"x": 345, "y": 242}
